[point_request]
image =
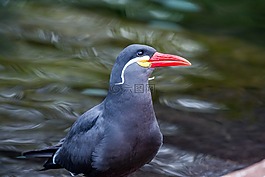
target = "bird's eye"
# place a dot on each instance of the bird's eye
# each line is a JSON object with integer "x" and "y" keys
{"x": 140, "y": 53}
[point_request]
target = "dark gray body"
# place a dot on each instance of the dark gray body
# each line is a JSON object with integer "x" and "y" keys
{"x": 112, "y": 146}
{"x": 118, "y": 136}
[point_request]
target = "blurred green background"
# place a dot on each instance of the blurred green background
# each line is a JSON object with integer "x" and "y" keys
{"x": 56, "y": 57}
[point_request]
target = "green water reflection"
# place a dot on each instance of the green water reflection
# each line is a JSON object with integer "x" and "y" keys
{"x": 56, "y": 57}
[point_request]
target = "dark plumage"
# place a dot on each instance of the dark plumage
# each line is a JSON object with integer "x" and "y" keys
{"x": 121, "y": 134}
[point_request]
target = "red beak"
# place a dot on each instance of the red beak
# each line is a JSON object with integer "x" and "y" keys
{"x": 164, "y": 60}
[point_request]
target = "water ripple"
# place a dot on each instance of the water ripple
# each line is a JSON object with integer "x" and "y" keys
{"x": 12, "y": 93}
{"x": 17, "y": 127}
{"x": 172, "y": 161}
{"x": 191, "y": 104}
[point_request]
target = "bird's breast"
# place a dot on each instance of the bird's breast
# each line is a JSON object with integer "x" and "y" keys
{"x": 134, "y": 147}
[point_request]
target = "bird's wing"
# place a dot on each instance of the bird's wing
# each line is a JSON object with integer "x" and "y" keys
{"x": 84, "y": 135}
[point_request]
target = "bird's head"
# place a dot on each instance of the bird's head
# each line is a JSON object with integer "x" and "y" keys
{"x": 136, "y": 62}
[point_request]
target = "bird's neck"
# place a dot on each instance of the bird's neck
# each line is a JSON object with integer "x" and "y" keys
{"x": 130, "y": 89}
{"x": 129, "y": 99}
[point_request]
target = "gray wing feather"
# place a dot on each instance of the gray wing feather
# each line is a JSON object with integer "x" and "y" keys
{"x": 76, "y": 152}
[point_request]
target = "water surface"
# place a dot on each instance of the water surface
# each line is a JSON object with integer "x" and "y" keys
{"x": 56, "y": 57}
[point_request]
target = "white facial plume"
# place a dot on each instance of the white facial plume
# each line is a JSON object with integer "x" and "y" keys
{"x": 135, "y": 60}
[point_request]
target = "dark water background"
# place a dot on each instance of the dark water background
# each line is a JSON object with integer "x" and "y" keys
{"x": 56, "y": 57}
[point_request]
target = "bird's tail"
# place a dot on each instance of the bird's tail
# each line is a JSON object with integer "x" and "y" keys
{"x": 47, "y": 153}
{"x": 40, "y": 153}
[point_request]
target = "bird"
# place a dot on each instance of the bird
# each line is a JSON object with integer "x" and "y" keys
{"x": 121, "y": 134}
